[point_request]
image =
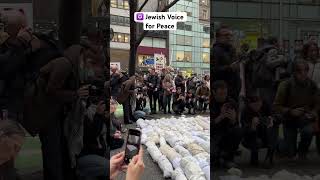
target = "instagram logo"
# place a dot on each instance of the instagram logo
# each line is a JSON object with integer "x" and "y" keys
{"x": 139, "y": 16}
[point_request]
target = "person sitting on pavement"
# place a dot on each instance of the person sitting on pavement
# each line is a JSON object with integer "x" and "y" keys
{"x": 116, "y": 140}
{"x": 226, "y": 130}
{"x": 260, "y": 129}
{"x": 202, "y": 95}
{"x": 178, "y": 101}
{"x": 297, "y": 100}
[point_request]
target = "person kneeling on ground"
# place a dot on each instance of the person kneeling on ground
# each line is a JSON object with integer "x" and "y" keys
{"x": 191, "y": 102}
{"x": 297, "y": 101}
{"x": 116, "y": 140}
{"x": 178, "y": 102}
{"x": 260, "y": 129}
{"x": 202, "y": 95}
{"x": 134, "y": 169}
{"x": 226, "y": 131}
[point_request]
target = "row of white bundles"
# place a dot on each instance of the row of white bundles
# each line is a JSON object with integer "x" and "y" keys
{"x": 160, "y": 159}
{"x": 187, "y": 137}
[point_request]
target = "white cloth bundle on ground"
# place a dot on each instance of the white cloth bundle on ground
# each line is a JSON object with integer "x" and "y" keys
{"x": 194, "y": 149}
{"x": 204, "y": 144}
{"x": 203, "y": 159}
{"x": 182, "y": 151}
{"x": 141, "y": 123}
{"x": 191, "y": 168}
{"x": 178, "y": 174}
{"x": 162, "y": 141}
{"x": 203, "y": 124}
{"x": 153, "y": 151}
{"x": 204, "y": 163}
{"x": 153, "y": 136}
{"x": 165, "y": 166}
{"x": 172, "y": 155}
{"x": 173, "y": 140}
{"x": 144, "y": 139}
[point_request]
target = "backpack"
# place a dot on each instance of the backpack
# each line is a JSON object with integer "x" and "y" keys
{"x": 34, "y": 88}
{"x": 262, "y": 75}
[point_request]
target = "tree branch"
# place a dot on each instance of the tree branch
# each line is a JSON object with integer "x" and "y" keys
{"x": 142, "y": 6}
{"x": 169, "y": 6}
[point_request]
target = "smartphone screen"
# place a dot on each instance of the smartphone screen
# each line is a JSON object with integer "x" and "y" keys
{"x": 133, "y": 145}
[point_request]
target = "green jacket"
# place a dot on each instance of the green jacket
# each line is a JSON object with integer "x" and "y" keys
{"x": 291, "y": 95}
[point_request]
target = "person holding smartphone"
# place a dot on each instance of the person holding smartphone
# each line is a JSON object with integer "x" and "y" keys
{"x": 134, "y": 169}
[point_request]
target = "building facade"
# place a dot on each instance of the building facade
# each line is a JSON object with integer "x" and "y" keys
{"x": 153, "y": 43}
{"x": 190, "y": 44}
{"x": 289, "y": 20}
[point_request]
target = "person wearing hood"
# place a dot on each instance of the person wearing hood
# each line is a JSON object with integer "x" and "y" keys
{"x": 297, "y": 100}
{"x": 65, "y": 82}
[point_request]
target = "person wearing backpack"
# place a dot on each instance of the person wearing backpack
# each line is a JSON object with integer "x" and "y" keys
{"x": 297, "y": 100}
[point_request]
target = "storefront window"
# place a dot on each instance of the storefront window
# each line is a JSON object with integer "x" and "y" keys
{"x": 180, "y": 40}
{"x": 126, "y": 4}
{"x": 114, "y": 3}
{"x": 188, "y": 56}
{"x": 121, "y": 38}
{"x": 206, "y": 43}
{"x": 126, "y": 38}
{"x": 205, "y": 57}
{"x": 180, "y": 56}
{"x": 120, "y": 4}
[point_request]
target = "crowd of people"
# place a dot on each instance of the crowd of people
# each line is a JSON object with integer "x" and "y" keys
{"x": 165, "y": 92}
{"x": 60, "y": 95}
{"x": 256, "y": 92}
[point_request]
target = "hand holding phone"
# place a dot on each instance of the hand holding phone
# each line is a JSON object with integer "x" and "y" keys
{"x": 133, "y": 145}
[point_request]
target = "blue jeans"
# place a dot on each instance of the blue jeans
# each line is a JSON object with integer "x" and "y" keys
{"x": 93, "y": 166}
{"x": 139, "y": 114}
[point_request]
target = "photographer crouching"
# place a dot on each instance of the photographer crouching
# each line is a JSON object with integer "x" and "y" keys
{"x": 260, "y": 129}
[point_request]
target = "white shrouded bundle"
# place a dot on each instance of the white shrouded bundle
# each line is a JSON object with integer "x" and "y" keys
{"x": 172, "y": 155}
{"x": 162, "y": 141}
{"x": 191, "y": 169}
{"x": 141, "y": 123}
{"x": 153, "y": 151}
{"x": 165, "y": 166}
{"x": 182, "y": 151}
{"x": 204, "y": 144}
{"x": 195, "y": 149}
{"x": 178, "y": 174}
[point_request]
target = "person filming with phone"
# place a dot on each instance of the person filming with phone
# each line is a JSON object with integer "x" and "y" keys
{"x": 226, "y": 130}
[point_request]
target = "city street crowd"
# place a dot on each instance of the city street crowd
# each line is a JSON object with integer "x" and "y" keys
{"x": 256, "y": 92}
{"x": 163, "y": 91}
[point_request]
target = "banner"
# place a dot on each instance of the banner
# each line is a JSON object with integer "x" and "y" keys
{"x": 159, "y": 61}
